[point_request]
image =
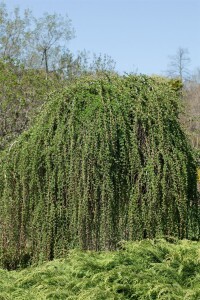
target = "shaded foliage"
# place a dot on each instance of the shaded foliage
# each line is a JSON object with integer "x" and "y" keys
{"x": 107, "y": 160}
{"x": 22, "y": 93}
{"x": 192, "y": 114}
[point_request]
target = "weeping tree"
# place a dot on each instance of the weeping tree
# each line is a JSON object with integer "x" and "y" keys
{"x": 106, "y": 161}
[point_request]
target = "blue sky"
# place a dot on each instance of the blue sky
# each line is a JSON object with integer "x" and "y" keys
{"x": 138, "y": 34}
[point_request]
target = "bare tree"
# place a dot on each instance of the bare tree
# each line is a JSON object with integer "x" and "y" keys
{"x": 179, "y": 63}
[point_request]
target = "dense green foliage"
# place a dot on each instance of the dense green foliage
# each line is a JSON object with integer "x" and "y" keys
{"x": 140, "y": 270}
{"x": 106, "y": 161}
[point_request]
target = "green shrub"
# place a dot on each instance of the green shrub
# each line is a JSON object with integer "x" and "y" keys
{"x": 106, "y": 161}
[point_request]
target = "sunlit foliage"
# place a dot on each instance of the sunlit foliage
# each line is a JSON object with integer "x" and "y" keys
{"x": 148, "y": 270}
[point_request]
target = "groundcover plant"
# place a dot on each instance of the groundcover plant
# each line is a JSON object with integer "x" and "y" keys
{"x": 145, "y": 270}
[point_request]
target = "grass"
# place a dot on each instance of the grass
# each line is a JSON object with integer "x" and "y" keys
{"x": 138, "y": 270}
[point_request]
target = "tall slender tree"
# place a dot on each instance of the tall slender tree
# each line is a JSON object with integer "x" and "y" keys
{"x": 49, "y": 36}
{"x": 179, "y": 64}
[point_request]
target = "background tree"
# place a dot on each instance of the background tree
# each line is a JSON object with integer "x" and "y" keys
{"x": 179, "y": 63}
{"x": 72, "y": 66}
{"x": 41, "y": 43}
{"x": 34, "y": 42}
{"x": 50, "y": 34}
{"x": 191, "y": 97}
{"x": 15, "y": 33}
